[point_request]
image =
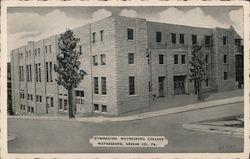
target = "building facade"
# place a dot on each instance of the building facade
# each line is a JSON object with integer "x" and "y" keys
{"x": 129, "y": 62}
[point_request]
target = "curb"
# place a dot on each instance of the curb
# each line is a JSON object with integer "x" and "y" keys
{"x": 235, "y": 132}
{"x": 197, "y": 106}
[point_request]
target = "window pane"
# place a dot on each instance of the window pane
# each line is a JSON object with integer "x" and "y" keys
{"x": 161, "y": 59}
{"x": 130, "y": 58}
{"x": 104, "y": 87}
{"x": 65, "y": 104}
{"x": 103, "y": 59}
{"x": 175, "y": 59}
{"x": 104, "y": 108}
{"x": 96, "y": 85}
{"x": 194, "y": 39}
{"x": 130, "y": 34}
{"x": 173, "y": 38}
{"x": 181, "y": 38}
{"x": 96, "y": 107}
{"x": 158, "y": 37}
{"x": 131, "y": 85}
{"x": 183, "y": 59}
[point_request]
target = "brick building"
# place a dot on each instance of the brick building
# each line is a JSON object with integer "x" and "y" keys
{"x": 129, "y": 61}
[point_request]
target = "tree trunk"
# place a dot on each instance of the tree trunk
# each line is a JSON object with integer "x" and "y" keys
{"x": 71, "y": 105}
{"x": 199, "y": 90}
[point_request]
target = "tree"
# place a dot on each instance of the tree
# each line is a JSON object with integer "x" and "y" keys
{"x": 69, "y": 73}
{"x": 197, "y": 69}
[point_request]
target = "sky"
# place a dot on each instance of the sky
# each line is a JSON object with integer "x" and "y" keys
{"x": 34, "y": 23}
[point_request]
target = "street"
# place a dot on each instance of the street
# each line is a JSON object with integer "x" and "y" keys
{"x": 39, "y": 136}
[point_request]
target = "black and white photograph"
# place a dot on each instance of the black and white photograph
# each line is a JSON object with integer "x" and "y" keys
{"x": 122, "y": 78}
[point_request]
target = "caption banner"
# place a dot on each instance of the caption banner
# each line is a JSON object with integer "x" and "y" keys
{"x": 128, "y": 141}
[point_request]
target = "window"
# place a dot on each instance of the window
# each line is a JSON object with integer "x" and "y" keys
{"x": 32, "y": 109}
{"x": 80, "y": 93}
{"x": 101, "y": 34}
{"x": 50, "y": 71}
{"x": 36, "y": 67}
{"x": 130, "y": 34}
{"x": 31, "y": 97}
{"x": 27, "y": 54}
{"x": 225, "y": 58}
{"x": 37, "y": 98}
{"x": 30, "y": 67}
{"x": 131, "y": 85}
{"x": 103, "y": 59}
{"x": 47, "y": 101}
{"x": 27, "y": 73}
{"x": 49, "y": 48}
{"x": 149, "y": 87}
{"x": 104, "y": 108}
{"x": 51, "y": 102}
{"x": 80, "y": 49}
{"x": 104, "y": 85}
{"x": 225, "y": 75}
{"x": 65, "y": 104}
{"x": 35, "y": 52}
{"x": 95, "y": 63}
{"x": 175, "y": 59}
{"x": 207, "y": 40}
{"x": 38, "y": 51}
{"x": 194, "y": 39}
{"x": 39, "y": 72}
{"x": 158, "y": 37}
{"x": 173, "y": 38}
{"x": 93, "y": 37}
{"x": 96, "y": 91}
{"x": 207, "y": 82}
{"x": 161, "y": 59}
{"x": 41, "y": 99}
{"x": 130, "y": 58}
{"x": 96, "y": 107}
{"x": 206, "y": 58}
{"x": 238, "y": 44}
{"x": 183, "y": 59}
{"x": 181, "y": 38}
{"x": 46, "y": 49}
{"x": 60, "y": 104}
{"x": 47, "y": 72}
{"x": 224, "y": 40}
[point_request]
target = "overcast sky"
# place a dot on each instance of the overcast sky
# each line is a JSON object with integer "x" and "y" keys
{"x": 34, "y": 23}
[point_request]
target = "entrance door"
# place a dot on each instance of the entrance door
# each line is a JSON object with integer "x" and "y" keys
{"x": 161, "y": 86}
{"x": 179, "y": 85}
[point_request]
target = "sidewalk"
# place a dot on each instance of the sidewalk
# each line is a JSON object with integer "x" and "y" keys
{"x": 167, "y": 111}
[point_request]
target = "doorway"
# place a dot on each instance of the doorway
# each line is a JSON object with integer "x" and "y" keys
{"x": 179, "y": 85}
{"x": 161, "y": 86}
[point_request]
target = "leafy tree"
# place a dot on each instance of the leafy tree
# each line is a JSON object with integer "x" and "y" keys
{"x": 69, "y": 73}
{"x": 197, "y": 69}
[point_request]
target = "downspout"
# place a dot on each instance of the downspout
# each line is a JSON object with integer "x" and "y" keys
{"x": 91, "y": 71}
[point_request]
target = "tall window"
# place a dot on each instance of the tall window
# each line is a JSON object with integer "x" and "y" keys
{"x": 130, "y": 58}
{"x": 96, "y": 107}
{"x": 131, "y": 85}
{"x": 60, "y": 104}
{"x": 51, "y": 102}
{"x": 49, "y": 48}
{"x": 96, "y": 91}
{"x": 80, "y": 93}
{"x": 158, "y": 36}
{"x": 130, "y": 33}
{"x": 36, "y": 67}
{"x": 93, "y": 37}
{"x": 173, "y": 37}
{"x": 95, "y": 63}
{"x": 47, "y": 72}
{"x": 175, "y": 59}
{"x": 181, "y": 38}
{"x": 35, "y": 52}
{"x": 101, "y": 34}
{"x": 46, "y": 49}
{"x": 39, "y": 72}
{"x": 161, "y": 59}
{"x": 225, "y": 58}
{"x": 206, "y": 58}
{"x": 103, "y": 59}
{"x": 225, "y": 75}
{"x": 30, "y": 67}
{"x": 80, "y": 49}
{"x": 194, "y": 39}
{"x": 50, "y": 71}
{"x": 207, "y": 40}
{"x": 104, "y": 85}
{"x": 224, "y": 40}
{"x": 27, "y": 72}
{"x": 38, "y": 51}
{"x": 183, "y": 59}
{"x": 65, "y": 104}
